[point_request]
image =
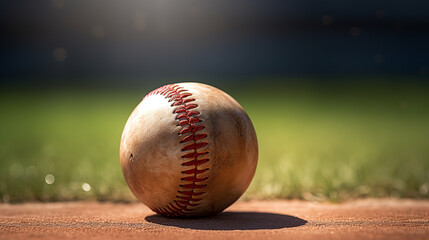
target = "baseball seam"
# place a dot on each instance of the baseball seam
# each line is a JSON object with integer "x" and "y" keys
{"x": 186, "y": 112}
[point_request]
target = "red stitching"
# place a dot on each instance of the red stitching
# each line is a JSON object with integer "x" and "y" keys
{"x": 187, "y": 117}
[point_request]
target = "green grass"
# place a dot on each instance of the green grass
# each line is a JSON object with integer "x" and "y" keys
{"x": 327, "y": 142}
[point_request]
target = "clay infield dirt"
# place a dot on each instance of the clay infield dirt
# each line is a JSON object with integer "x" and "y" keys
{"x": 276, "y": 219}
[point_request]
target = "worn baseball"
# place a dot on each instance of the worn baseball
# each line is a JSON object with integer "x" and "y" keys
{"x": 188, "y": 150}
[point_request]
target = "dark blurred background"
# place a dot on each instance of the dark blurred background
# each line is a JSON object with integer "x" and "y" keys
{"x": 113, "y": 42}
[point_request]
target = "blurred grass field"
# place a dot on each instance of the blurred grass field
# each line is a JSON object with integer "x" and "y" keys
{"x": 324, "y": 141}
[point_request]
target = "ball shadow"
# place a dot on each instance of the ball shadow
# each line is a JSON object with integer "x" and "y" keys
{"x": 232, "y": 221}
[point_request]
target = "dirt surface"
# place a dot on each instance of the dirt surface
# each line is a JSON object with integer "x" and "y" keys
{"x": 361, "y": 219}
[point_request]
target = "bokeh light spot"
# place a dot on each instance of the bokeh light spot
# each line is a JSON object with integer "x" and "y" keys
{"x": 86, "y": 187}
{"x": 49, "y": 179}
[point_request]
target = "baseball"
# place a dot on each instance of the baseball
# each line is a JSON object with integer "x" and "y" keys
{"x": 188, "y": 150}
